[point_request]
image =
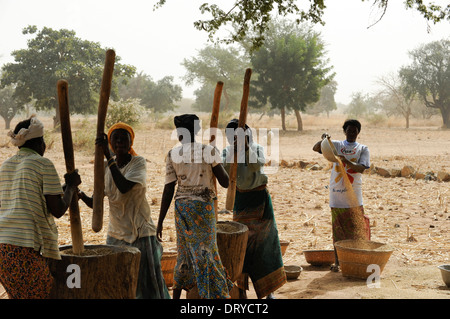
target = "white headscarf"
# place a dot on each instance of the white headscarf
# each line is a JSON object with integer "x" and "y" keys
{"x": 36, "y": 129}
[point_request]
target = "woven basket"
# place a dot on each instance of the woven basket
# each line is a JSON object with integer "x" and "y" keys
{"x": 168, "y": 262}
{"x": 356, "y": 255}
{"x": 232, "y": 240}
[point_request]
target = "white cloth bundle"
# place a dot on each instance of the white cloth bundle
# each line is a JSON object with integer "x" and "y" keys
{"x": 36, "y": 129}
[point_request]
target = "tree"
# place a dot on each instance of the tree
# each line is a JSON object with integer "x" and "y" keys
{"x": 213, "y": 64}
{"x": 254, "y": 16}
{"x": 326, "y": 102}
{"x": 158, "y": 96}
{"x": 58, "y": 54}
{"x": 164, "y": 95}
{"x": 291, "y": 69}
{"x": 398, "y": 99}
{"x": 8, "y": 105}
{"x": 358, "y": 105}
{"x": 429, "y": 76}
{"x": 204, "y": 97}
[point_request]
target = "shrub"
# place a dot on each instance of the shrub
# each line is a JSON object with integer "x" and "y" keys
{"x": 83, "y": 138}
{"x": 375, "y": 119}
{"x": 128, "y": 111}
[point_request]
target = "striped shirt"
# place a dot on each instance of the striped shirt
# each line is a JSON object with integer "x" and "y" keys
{"x": 24, "y": 219}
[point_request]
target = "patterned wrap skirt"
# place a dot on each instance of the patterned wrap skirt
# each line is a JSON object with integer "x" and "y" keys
{"x": 263, "y": 262}
{"x": 198, "y": 261}
{"x": 349, "y": 223}
{"x": 151, "y": 284}
{"x": 24, "y": 273}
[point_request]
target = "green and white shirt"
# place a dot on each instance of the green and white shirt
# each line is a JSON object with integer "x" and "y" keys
{"x": 25, "y": 179}
{"x": 250, "y": 168}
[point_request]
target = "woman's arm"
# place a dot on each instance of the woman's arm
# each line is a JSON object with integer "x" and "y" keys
{"x": 318, "y": 146}
{"x": 221, "y": 175}
{"x": 57, "y": 204}
{"x": 122, "y": 183}
{"x": 166, "y": 200}
{"x": 354, "y": 166}
{"x": 255, "y": 158}
{"x": 89, "y": 201}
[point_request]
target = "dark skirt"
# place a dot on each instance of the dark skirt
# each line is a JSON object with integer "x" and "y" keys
{"x": 263, "y": 261}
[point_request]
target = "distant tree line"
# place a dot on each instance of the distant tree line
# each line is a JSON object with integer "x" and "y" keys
{"x": 420, "y": 90}
{"x": 292, "y": 74}
{"x": 52, "y": 55}
{"x": 289, "y": 72}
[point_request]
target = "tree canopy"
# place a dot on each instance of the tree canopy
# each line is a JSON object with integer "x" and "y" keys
{"x": 254, "y": 16}
{"x": 158, "y": 97}
{"x": 429, "y": 76}
{"x": 358, "y": 105}
{"x": 326, "y": 101}
{"x": 8, "y": 105}
{"x": 291, "y": 69}
{"x": 58, "y": 54}
{"x": 397, "y": 97}
{"x": 213, "y": 64}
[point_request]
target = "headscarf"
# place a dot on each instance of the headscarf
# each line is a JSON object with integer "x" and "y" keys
{"x": 126, "y": 127}
{"x": 191, "y": 122}
{"x": 36, "y": 129}
{"x": 234, "y": 124}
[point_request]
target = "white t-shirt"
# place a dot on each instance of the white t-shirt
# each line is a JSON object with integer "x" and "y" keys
{"x": 129, "y": 213}
{"x": 190, "y": 165}
{"x": 354, "y": 152}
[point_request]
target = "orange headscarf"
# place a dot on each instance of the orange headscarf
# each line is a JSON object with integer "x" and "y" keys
{"x": 126, "y": 127}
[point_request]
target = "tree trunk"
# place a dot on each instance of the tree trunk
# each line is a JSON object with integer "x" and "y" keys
{"x": 226, "y": 107}
{"x": 407, "y": 115}
{"x": 283, "y": 119}
{"x": 7, "y": 123}
{"x": 299, "y": 121}
{"x": 57, "y": 120}
{"x": 260, "y": 118}
{"x": 445, "y": 116}
{"x": 100, "y": 272}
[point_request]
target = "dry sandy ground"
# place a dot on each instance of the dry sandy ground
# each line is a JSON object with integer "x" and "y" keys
{"x": 398, "y": 208}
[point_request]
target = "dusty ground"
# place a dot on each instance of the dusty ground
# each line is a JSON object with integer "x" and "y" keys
{"x": 399, "y": 208}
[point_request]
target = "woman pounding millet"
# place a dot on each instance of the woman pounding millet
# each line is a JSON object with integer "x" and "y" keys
{"x": 130, "y": 221}
{"x": 193, "y": 166}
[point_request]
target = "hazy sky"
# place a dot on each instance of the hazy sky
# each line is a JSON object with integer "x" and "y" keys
{"x": 156, "y": 42}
